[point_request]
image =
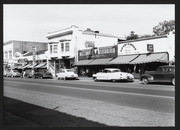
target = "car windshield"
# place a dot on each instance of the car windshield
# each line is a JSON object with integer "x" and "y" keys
{"x": 70, "y": 71}
{"x": 116, "y": 71}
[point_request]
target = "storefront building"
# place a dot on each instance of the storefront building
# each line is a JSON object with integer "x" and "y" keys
{"x": 137, "y": 56}
{"x": 13, "y": 51}
{"x": 133, "y": 56}
{"x": 95, "y": 59}
{"x": 63, "y": 45}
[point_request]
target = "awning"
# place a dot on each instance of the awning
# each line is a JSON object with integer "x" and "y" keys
{"x": 100, "y": 61}
{"x": 26, "y": 66}
{"x": 153, "y": 57}
{"x": 41, "y": 65}
{"x": 124, "y": 59}
{"x": 82, "y": 62}
{"x": 31, "y": 66}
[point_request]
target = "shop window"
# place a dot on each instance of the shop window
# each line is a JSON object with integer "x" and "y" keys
{"x": 51, "y": 49}
{"x": 10, "y": 54}
{"x": 55, "y": 48}
{"x": 67, "y": 46}
{"x": 6, "y": 55}
{"x": 62, "y": 47}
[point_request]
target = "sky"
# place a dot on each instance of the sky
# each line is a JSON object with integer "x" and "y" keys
{"x": 28, "y": 22}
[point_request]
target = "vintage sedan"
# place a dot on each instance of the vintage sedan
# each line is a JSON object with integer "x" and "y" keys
{"x": 12, "y": 73}
{"x": 66, "y": 74}
{"x": 113, "y": 74}
{"x": 164, "y": 73}
{"x": 44, "y": 73}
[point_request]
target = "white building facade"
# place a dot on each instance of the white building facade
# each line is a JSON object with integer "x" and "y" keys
{"x": 63, "y": 45}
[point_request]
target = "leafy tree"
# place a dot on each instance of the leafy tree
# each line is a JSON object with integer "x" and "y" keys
{"x": 132, "y": 36}
{"x": 164, "y": 28}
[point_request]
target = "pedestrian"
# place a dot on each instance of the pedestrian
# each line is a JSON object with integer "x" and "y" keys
{"x": 24, "y": 74}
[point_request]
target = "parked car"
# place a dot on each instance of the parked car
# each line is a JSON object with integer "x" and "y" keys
{"x": 12, "y": 73}
{"x": 113, "y": 74}
{"x": 4, "y": 73}
{"x": 162, "y": 74}
{"x": 28, "y": 74}
{"x": 66, "y": 74}
{"x": 42, "y": 74}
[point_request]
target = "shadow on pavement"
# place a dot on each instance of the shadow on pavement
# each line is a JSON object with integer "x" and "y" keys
{"x": 18, "y": 113}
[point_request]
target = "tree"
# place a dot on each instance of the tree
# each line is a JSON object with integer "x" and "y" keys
{"x": 132, "y": 36}
{"x": 164, "y": 28}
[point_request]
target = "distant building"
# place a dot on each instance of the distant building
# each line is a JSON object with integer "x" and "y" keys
{"x": 13, "y": 51}
{"x": 63, "y": 45}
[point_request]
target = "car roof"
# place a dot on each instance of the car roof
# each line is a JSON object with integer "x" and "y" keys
{"x": 111, "y": 69}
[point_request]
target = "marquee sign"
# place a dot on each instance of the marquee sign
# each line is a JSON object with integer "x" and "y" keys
{"x": 128, "y": 48}
{"x": 128, "y": 45}
{"x": 97, "y": 53}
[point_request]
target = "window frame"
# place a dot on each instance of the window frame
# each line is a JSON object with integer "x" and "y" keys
{"x": 51, "y": 48}
{"x": 62, "y": 47}
{"x": 67, "y": 47}
{"x": 55, "y": 50}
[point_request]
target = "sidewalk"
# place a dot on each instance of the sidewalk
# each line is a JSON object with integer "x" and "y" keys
{"x": 18, "y": 113}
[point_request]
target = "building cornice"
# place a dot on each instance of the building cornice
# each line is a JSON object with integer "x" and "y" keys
{"x": 143, "y": 39}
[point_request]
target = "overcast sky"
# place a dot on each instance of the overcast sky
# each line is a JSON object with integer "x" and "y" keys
{"x": 33, "y": 22}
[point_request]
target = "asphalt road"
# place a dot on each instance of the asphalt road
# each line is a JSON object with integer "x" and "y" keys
{"x": 155, "y": 97}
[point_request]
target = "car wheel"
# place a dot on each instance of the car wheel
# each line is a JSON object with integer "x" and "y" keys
{"x": 95, "y": 79}
{"x": 145, "y": 81}
{"x": 173, "y": 81}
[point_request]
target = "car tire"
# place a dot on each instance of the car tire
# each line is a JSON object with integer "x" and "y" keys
{"x": 95, "y": 79}
{"x": 173, "y": 81}
{"x": 145, "y": 81}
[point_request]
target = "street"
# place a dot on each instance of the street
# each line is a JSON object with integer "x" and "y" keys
{"x": 157, "y": 98}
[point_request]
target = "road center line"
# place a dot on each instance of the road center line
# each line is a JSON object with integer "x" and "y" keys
{"x": 94, "y": 90}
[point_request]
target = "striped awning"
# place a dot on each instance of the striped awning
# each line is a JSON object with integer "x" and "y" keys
{"x": 31, "y": 66}
{"x": 27, "y": 65}
{"x": 153, "y": 57}
{"x": 82, "y": 62}
{"x": 100, "y": 61}
{"x": 41, "y": 65}
{"x": 124, "y": 59}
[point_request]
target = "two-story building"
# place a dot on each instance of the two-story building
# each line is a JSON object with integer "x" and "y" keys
{"x": 13, "y": 51}
{"x": 63, "y": 45}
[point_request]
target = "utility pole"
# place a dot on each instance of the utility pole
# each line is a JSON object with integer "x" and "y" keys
{"x": 34, "y": 56}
